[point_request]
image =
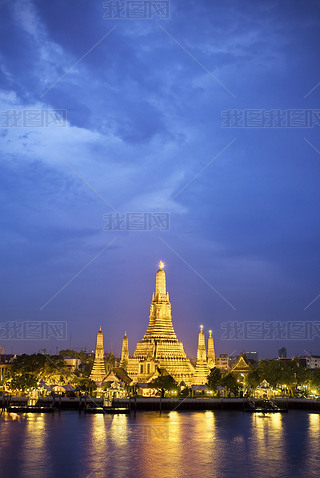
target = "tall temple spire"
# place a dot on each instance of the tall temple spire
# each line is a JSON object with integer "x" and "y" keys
{"x": 201, "y": 352}
{"x": 160, "y": 347}
{"x": 124, "y": 352}
{"x": 211, "y": 355}
{"x": 202, "y": 370}
{"x": 160, "y": 319}
{"x": 98, "y": 371}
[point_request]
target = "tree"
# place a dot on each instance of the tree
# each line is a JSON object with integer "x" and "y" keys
{"x": 314, "y": 378}
{"x": 163, "y": 383}
{"x": 86, "y": 360}
{"x": 87, "y": 365}
{"x": 23, "y": 382}
{"x": 214, "y": 378}
{"x": 229, "y": 381}
{"x": 282, "y": 373}
{"x": 186, "y": 392}
{"x": 49, "y": 368}
{"x": 254, "y": 378}
{"x": 69, "y": 353}
{"x": 87, "y": 385}
{"x": 270, "y": 370}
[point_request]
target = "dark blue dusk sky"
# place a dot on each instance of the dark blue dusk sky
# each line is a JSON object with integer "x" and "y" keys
{"x": 145, "y": 101}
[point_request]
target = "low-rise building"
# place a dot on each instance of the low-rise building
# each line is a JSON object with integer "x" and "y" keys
{"x": 222, "y": 362}
{"x": 5, "y": 366}
{"x": 312, "y": 361}
{"x": 72, "y": 363}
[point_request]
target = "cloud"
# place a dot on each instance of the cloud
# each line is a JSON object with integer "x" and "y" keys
{"x": 143, "y": 118}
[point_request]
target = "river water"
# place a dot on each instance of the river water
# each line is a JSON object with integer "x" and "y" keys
{"x": 222, "y": 444}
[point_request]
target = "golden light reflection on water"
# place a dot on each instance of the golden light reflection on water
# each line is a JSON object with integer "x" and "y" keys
{"x": 98, "y": 444}
{"x": 312, "y": 460}
{"x": 209, "y": 427}
{"x": 314, "y": 423}
{"x": 177, "y": 441}
{"x": 175, "y": 444}
{"x": 268, "y": 441}
{"x": 118, "y": 431}
{"x": 34, "y": 449}
{"x": 160, "y": 444}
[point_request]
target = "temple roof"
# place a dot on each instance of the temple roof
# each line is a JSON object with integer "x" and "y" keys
{"x": 120, "y": 374}
{"x": 242, "y": 365}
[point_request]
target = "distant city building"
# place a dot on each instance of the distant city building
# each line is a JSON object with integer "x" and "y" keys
{"x": 312, "y": 361}
{"x": 282, "y": 353}
{"x": 98, "y": 372}
{"x": 5, "y": 365}
{"x": 7, "y": 358}
{"x": 72, "y": 363}
{"x": 301, "y": 360}
{"x": 4, "y": 370}
{"x": 233, "y": 359}
{"x": 1, "y": 350}
{"x": 222, "y": 362}
{"x": 252, "y": 356}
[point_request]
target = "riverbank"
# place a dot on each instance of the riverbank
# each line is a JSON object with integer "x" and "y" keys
{"x": 150, "y": 404}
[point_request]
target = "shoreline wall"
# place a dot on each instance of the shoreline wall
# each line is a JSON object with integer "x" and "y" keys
{"x": 165, "y": 404}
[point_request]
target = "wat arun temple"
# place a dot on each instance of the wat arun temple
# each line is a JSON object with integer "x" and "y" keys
{"x": 159, "y": 352}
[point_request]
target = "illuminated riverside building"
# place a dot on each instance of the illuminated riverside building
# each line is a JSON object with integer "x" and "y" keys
{"x": 202, "y": 368}
{"x": 98, "y": 372}
{"x": 160, "y": 348}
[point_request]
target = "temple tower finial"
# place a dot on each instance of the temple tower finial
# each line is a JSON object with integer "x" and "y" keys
{"x": 161, "y": 280}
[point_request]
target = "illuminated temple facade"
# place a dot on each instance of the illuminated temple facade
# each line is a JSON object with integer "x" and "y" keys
{"x": 160, "y": 349}
{"x": 159, "y": 352}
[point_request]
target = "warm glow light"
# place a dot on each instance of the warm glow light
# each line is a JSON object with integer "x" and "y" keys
{"x": 161, "y": 265}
